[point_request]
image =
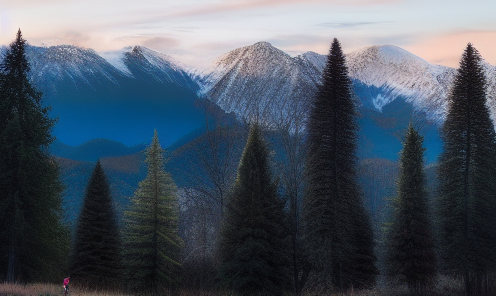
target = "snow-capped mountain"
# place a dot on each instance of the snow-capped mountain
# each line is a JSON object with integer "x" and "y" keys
{"x": 78, "y": 66}
{"x": 264, "y": 76}
{"x": 392, "y": 85}
{"x": 400, "y": 73}
{"x": 260, "y": 81}
{"x": 144, "y": 63}
{"x": 119, "y": 95}
{"x": 85, "y": 67}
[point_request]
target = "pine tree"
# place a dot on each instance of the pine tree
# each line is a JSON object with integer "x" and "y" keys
{"x": 336, "y": 229}
{"x": 152, "y": 243}
{"x": 96, "y": 259}
{"x": 467, "y": 191}
{"x": 34, "y": 242}
{"x": 252, "y": 248}
{"x": 411, "y": 247}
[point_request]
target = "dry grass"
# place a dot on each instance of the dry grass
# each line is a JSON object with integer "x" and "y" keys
{"x": 48, "y": 290}
{"x": 53, "y": 290}
{"x": 445, "y": 286}
{"x": 29, "y": 290}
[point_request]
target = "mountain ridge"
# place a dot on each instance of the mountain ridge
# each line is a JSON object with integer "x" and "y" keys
{"x": 393, "y": 70}
{"x": 94, "y": 98}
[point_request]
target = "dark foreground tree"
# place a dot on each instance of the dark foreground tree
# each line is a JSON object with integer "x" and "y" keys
{"x": 252, "y": 247}
{"x": 337, "y": 231}
{"x": 411, "y": 257}
{"x": 34, "y": 244}
{"x": 152, "y": 243}
{"x": 467, "y": 175}
{"x": 96, "y": 260}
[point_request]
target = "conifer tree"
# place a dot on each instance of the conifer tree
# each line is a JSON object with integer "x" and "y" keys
{"x": 96, "y": 259}
{"x": 467, "y": 190}
{"x": 152, "y": 242}
{"x": 252, "y": 253}
{"x": 411, "y": 247}
{"x": 34, "y": 243}
{"x": 337, "y": 232}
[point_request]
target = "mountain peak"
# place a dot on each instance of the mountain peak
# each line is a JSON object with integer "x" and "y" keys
{"x": 263, "y": 44}
{"x": 116, "y": 59}
{"x": 264, "y": 47}
{"x": 64, "y": 53}
{"x": 138, "y": 52}
{"x": 314, "y": 58}
{"x": 239, "y": 79}
{"x": 388, "y": 54}
{"x": 400, "y": 72}
{"x": 260, "y": 52}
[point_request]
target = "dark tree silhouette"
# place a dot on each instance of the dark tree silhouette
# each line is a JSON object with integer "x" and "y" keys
{"x": 411, "y": 255}
{"x": 467, "y": 174}
{"x": 34, "y": 242}
{"x": 253, "y": 245}
{"x": 152, "y": 243}
{"x": 337, "y": 231}
{"x": 96, "y": 256}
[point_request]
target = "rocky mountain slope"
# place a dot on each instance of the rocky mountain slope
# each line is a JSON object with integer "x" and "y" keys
{"x": 263, "y": 76}
{"x": 260, "y": 81}
{"x": 120, "y": 95}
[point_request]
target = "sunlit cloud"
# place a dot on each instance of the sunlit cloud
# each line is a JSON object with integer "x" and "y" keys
{"x": 197, "y": 31}
{"x": 227, "y": 7}
{"x": 345, "y": 25}
{"x": 161, "y": 42}
{"x": 446, "y": 49}
{"x": 236, "y": 5}
{"x": 17, "y": 4}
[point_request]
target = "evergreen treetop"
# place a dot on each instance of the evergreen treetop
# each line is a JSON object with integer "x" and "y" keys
{"x": 412, "y": 257}
{"x": 252, "y": 247}
{"x": 96, "y": 259}
{"x": 337, "y": 231}
{"x": 152, "y": 242}
{"x": 467, "y": 170}
{"x": 34, "y": 240}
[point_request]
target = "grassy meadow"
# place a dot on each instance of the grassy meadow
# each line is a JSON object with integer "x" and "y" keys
{"x": 445, "y": 286}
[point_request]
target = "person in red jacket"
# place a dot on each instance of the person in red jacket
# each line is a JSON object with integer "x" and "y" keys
{"x": 66, "y": 286}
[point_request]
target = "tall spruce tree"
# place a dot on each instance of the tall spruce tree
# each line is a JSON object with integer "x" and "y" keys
{"x": 467, "y": 170}
{"x": 96, "y": 259}
{"x": 152, "y": 242}
{"x": 411, "y": 254}
{"x": 336, "y": 229}
{"x": 252, "y": 248}
{"x": 34, "y": 242}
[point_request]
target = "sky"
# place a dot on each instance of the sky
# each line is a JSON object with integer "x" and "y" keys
{"x": 195, "y": 32}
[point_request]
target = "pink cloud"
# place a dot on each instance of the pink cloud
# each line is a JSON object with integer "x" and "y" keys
{"x": 227, "y": 6}
{"x": 446, "y": 49}
{"x": 243, "y": 5}
{"x": 16, "y": 4}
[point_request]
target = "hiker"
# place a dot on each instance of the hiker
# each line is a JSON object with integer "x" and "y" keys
{"x": 66, "y": 285}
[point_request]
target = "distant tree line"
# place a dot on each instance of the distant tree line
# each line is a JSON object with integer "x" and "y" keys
{"x": 252, "y": 230}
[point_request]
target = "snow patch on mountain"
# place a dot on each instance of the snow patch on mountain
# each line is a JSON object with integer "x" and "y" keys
{"x": 317, "y": 60}
{"x": 401, "y": 73}
{"x": 262, "y": 77}
{"x": 161, "y": 60}
{"x": 79, "y": 65}
{"x": 116, "y": 59}
{"x": 148, "y": 64}
{"x": 3, "y": 50}
{"x": 490, "y": 72}
{"x": 380, "y": 101}
{"x": 259, "y": 81}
